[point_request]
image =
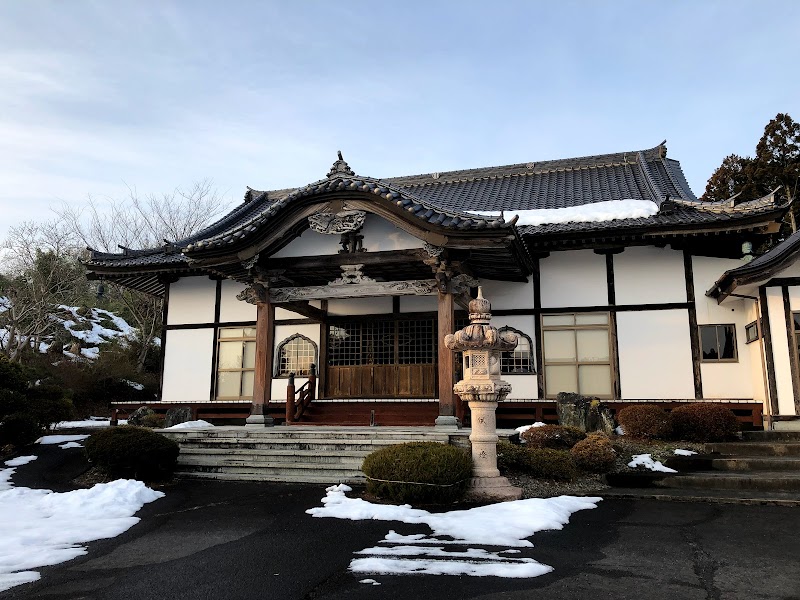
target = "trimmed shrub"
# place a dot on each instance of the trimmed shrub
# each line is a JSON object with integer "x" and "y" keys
{"x": 153, "y": 421}
{"x": 48, "y": 405}
{"x": 12, "y": 375}
{"x": 542, "y": 463}
{"x": 418, "y": 472}
{"x": 128, "y": 451}
{"x": 19, "y": 429}
{"x": 11, "y": 402}
{"x": 595, "y": 454}
{"x": 645, "y": 421}
{"x": 555, "y": 437}
{"x": 703, "y": 423}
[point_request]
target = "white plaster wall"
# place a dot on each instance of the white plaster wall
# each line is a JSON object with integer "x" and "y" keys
{"x": 283, "y": 314}
{"x": 706, "y": 270}
{"x": 794, "y": 298}
{"x": 380, "y": 235}
{"x": 649, "y": 275}
{"x": 509, "y": 294}
{"x": 232, "y": 310}
{"x": 360, "y": 306}
{"x": 191, "y": 300}
{"x": 187, "y": 365}
{"x": 754, "y": 352}
{"x": 310, "y": 243}
{"x": 655, "y": 357}
{"x": 780, "y": 351}
{"x": 572, "y": 278}
{"x": 311, "y": 331}
{"x": 410, "y": 304}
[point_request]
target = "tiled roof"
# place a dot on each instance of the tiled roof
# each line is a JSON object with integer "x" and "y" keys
{"x": 444, "y": 199}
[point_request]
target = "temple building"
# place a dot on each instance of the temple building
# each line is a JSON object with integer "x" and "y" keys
{"x": 618, "y": 282}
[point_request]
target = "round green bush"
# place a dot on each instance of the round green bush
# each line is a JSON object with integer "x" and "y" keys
{"x": 19, "y": 429}
{"x": 555, "y": 437}
{"x": 645, "y": 421}
{"x": 418, "y": 472}
{"x": 12, "y": 375}
{"x": 138, "y": 452}
{"x": 48, "y": 405}
{"x": 542, "y": 463}
{"x": 153, "y": 421}
{"x": 595, "y": 454}
{"x": 703, "y": 423}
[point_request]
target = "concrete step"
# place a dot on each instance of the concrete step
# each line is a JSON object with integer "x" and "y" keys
{"x": 296, "y": 445}
{"x": 784, "y": 448}
{"x": 756, "y": 463}
{"x": 306, "y": 433}
{"x": 744, "y": 497}
{"x": 304, "y": 478}
{"x": 278, "y": 455}
{"x": 771, "y": 436}
{"x": 297, "y": 471}
{"x": 720, "y": 480}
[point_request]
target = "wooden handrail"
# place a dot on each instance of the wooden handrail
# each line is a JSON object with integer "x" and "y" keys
{"x": 304, "y": 396}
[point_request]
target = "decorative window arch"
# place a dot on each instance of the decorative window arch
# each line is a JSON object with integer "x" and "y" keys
{"x": 518, "y": 361}
{"x": 295, "y": 355}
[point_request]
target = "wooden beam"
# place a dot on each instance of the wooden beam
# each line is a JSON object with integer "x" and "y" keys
{"x": 790, "y": 335}
{"x": 302, "y": 307}
{"x": 334, "y": 261}
{"x": 694, "y": 330}
{"x": 767, "y": 339}
{"x": 446, "y": 323}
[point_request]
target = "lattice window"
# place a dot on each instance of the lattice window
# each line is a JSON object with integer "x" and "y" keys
{"x": 382, "y": 342}
{"x": 236, "y": 352}
{"x": 296, "y": 355}
{"x": 416, "y": 342}
{"x": 517, "y": 361}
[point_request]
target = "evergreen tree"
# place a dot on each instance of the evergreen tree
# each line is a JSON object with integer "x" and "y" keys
{"x": 735, "y": 175}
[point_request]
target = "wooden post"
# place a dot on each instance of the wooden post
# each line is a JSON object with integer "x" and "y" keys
{"x": 290, "y": 399}
{"x": 446, "y": 395}
{"x": 262, "y": 384}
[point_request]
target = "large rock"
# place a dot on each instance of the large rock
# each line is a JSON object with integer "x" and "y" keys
{"x": 179, "y": 414}
{"x": 584, "y": 413}
{"x": 137, "y": 416}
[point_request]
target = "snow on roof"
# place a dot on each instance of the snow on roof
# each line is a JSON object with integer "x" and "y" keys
{"x": 596, "y": 212}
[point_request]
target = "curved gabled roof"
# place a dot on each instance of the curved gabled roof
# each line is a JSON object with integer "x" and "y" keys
{"x": 759, "y": 269}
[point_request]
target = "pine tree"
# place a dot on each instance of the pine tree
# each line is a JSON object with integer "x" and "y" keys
{"x": 733, "y": 176}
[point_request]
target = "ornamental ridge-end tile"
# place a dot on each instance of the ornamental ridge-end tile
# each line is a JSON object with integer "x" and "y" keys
{"x": 340, "y": 167}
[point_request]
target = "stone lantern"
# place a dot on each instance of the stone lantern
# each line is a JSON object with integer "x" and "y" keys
{"x": 481, "y": 345}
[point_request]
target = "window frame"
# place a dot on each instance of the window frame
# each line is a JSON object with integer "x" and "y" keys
{"x": 277, "y": 374}
{"x": 531, "y": 367}
{"x": 607, "y": 327}
{"x": 748, "y": 328}
{"x": 241, "y": 370}
{"x": 735, "y": 358}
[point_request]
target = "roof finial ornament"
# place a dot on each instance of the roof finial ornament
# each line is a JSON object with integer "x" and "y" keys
{"x": 340, "y": 167}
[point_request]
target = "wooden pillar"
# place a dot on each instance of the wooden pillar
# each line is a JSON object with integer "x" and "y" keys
{"x": 262, "y": 384}
{"x": 446, "y": 322}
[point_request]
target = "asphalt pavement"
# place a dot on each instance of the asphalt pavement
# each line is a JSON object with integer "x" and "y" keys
{"x": 234, "y": 540}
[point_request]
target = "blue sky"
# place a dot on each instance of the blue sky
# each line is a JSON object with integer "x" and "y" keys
{"x": 98, "y": 95}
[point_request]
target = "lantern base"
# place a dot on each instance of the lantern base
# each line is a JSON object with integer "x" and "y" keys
{"x": 492, "y": 489}
{"x": 447, "y": 423}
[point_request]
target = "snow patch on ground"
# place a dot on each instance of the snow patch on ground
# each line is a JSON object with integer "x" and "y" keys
{"x": 92, "y": 422}
{"x": 71, "y": 445}
{"x": 369, "y": 581}
{"x": 619, "y": 430}
{"x": 20, "y": 460}
{"x": 595, "y": 212}
{"x": 199, "y": 424}
{"x": 681, "y": 452}
{"x": 506, "y": 524}
{"x": 134, "y": 385}
{"x": 41, "y": 527}
{"x": 646, "y": 461}
{"x": 60, "y": 439}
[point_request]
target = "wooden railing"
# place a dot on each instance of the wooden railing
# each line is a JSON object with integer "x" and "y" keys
{"x": 297, "y": 401}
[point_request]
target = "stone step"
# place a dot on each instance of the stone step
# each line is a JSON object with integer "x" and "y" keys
{"x": 304, "y": 478}
{"x": 266, "y": 462}
{"x": 786, "y": 448}
{"x": 771, "y": 436}
{"x": 280, "y": 454}
{"x": 296, "y": 445}
{"x": 720, "y": 480}
{"x": 756, "y": 463}
{"x": 297, "y": 472}
{"x": 356, "y": 433}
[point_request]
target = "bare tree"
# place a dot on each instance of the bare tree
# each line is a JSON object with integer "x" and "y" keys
{"x": 143, "y": 222}
{"x": 41, "y": 270}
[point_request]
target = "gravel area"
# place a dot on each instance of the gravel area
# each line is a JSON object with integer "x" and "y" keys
{"x": 543, "y": 488}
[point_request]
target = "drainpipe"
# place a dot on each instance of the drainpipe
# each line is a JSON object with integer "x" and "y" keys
{"x": 762, "y": 354}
